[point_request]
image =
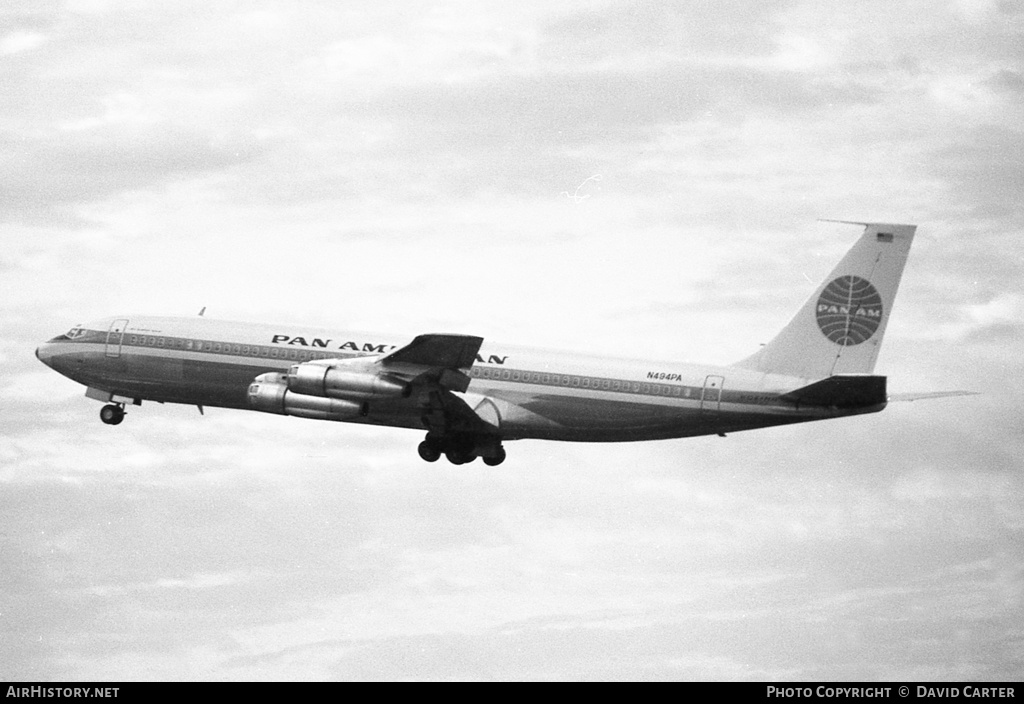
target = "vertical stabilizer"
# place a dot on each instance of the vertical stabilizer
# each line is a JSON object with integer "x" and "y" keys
{"x": 839, "y": 329}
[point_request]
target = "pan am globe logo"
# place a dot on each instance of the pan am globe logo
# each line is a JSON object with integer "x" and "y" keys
{"x": 849, "y": 310}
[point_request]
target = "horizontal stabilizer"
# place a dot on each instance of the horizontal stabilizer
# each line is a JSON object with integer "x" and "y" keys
{"x": 437, "y": 351}
{"x": 841, "y": 392}
{"x": 929, "y": 395}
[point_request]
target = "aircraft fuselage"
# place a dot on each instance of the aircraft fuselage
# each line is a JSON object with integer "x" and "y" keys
{"x": 470, "y": 397}
{"x": 536, "y": 393}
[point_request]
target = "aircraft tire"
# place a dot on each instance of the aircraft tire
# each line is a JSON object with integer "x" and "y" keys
{"x": 460, "y": 456}
{"x": 429, "y": 452}
{"x": 112, "y": 414}
{"x": 496, "y": 459}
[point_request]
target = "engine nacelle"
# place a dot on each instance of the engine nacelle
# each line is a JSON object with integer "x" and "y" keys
{"x": 270, "y": 393}
{"x": 342, "y": 381}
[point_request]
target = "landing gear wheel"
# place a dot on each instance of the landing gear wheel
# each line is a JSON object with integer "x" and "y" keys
{"x": 429, "y": 451}
{"x": 460, "y": 456}
{"x": 112, "y": 414}
{"x": 496, "y": 459}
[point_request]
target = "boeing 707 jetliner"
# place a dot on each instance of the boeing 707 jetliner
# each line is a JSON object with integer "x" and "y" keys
{"x": 470, "y": 397}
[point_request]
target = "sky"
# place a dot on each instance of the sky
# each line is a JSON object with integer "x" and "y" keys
{"x": 639, "y": 179}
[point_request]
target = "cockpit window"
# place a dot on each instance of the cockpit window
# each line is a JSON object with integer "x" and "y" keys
{"x": 75, "y": 332}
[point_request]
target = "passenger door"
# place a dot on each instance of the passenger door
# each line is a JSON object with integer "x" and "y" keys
{"x": 711, "y": 397}
{"x": 115, "y": 336}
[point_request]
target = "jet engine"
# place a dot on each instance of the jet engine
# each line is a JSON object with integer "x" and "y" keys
{"x": 342, "y": 379}
{"x": 270, "y": 393}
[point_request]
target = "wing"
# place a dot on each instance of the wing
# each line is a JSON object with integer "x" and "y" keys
{"x": 441, "y": 359}
{"x": 438, "y": 365}
{"x": 437, "y": 350}
{"x": 420, "y": 383}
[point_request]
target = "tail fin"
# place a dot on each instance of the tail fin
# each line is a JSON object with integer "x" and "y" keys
{"x": 839, "y": 329}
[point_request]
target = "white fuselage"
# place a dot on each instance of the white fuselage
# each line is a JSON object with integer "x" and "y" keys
{"x": 532, "y": 393}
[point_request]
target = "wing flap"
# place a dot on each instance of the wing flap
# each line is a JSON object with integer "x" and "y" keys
{"x": 450, "y": 414}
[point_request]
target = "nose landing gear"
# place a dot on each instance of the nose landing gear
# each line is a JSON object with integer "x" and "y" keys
{"x": 112, "y": 413}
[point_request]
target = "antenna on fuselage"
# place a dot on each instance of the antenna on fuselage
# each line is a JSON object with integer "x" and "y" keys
{"x": 203, "y": 310}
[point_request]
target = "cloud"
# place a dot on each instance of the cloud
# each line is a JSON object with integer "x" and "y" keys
{"x": 653, "y": 28}
{"x": 20, "y": 41}
{"x": 984, "y": 168}
{"x": 46, "y": 177}
{"x": 406, "y": 171}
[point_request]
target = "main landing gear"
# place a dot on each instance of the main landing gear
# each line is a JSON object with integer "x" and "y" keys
{"x": 112, "y": 413}
{"x": 460, "y": 451}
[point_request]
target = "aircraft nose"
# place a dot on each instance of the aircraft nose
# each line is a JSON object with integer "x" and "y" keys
{"x": 44, "y": 353}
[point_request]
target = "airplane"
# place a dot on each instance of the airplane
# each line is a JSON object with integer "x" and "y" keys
{"x": 470, "y": 401}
